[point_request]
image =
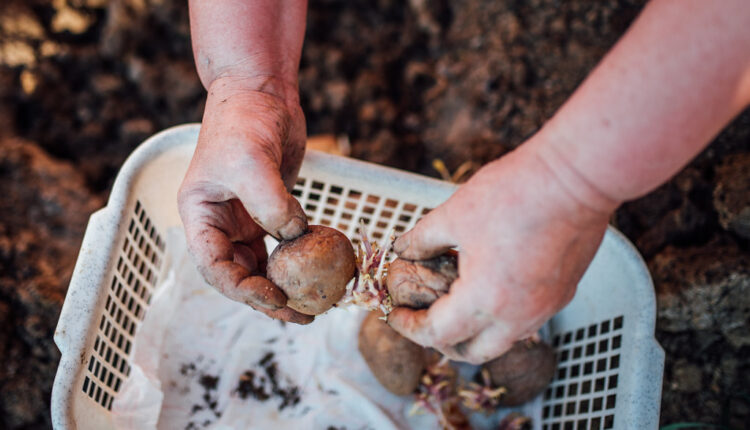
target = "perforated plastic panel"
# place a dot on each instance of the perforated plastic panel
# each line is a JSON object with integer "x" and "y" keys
{"x": 583, "y": 394}
{"x": 342, "y": 207}
{"x": 130, "y": 291}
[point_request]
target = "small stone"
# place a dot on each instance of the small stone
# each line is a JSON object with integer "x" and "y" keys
{"x": 336, "y": 94}
{"x": 105, "y": 82}
{"x": 368, "y": 112}
{"x": 96, "y": 4}
{"x": 329, "y": 143}
{"x": 20, "y": 23}
{"x": 333, "y": 59}
{"x": 137, "y": 129}
{"x": 557, "y": 26}
{"x": 69, "y": 19}
{"x": 29, "y": 81}
{"x": 49, "y": 49}
{"x": 16, "y": 53}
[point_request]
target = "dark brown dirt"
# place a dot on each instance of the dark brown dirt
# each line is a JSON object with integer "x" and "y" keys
{"x": 407, "y": 82}
{"x": 417, "y": 284}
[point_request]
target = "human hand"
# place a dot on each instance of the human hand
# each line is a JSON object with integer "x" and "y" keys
{"x": 527, "y": 228}
{"x": 237, "y": 187}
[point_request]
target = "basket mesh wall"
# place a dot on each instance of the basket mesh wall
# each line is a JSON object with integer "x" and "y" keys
{"x": 342, "y": 208}
{"x": 583, "y": 392}
{"x": 129, "y": 295}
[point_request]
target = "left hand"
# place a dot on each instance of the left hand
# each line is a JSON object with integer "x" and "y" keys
{"x": 237, "y": 189}
{"x": 525, "y": 237}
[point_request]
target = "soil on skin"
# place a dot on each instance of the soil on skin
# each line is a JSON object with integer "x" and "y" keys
{"x": 82, "y": 82}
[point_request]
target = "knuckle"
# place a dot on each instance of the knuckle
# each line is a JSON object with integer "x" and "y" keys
{"x": 450, "y": 353}
{"x": 183, "y": 199}
{"x": 442, "y": 342}
{"x": 474, "y": 359}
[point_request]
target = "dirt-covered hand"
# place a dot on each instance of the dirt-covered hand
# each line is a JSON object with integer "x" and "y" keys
{"x": 526, "y": 228}
{"x": 237, "y": 187}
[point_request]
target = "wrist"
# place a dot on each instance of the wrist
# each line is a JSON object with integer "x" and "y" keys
{"x": 228, "y": 84}
{"x": 566, "y": 184}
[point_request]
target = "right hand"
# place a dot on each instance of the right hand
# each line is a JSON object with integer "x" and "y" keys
{"x": 236, "y": 188}
{"x": 527, "y": 227}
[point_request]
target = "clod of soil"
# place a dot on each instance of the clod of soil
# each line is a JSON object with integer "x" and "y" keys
{"x": 267, "y": 385}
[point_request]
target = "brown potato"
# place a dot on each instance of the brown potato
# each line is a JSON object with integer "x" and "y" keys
{"x": 416, "y": 284}
{"x": 525, "y": 371}
{"x": 313, "y": 269}
{"x": 396, "y": 362}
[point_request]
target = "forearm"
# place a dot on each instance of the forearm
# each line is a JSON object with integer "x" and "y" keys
{"x": 672, "y": 82}
{"x": 256, "y": 41}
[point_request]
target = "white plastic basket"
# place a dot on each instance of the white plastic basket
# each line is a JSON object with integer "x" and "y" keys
{"x": 610, "y": 366}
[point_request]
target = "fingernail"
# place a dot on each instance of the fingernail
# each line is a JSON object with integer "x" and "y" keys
{"x": 272, "y": 299}
{"x": 401, "y": 244}
{"x": 304, "y": 320}
{"x": 293, "y": 228}
{"x": 265, "y": 305}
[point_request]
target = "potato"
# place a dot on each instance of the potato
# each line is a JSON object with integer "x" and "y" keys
{"x": 416, "y": 284}
{"x": 396, "y": 362}
{"x": 313, "y": 269}
{"x": 525, "y": 371}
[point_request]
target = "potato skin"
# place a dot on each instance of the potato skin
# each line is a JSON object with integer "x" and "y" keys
{"x": 313, "y": 269}
{"x": 396, "y": 362}
{"x": 525, "y": 371}
{"x": 417, "y": 284}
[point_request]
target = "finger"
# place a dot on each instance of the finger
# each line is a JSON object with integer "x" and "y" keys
{"x": 267, "y": 200}
{"x": 287, "y": 314}
{"x": 448, "y": 321}
{"x": 235, "y": 282}
{"x": 261, "y": 254}
{"x": 214, "y": 254}
{"x": 236, "y": 222}
{"x": 245, "y": 257}
{"x": 429, "y": 238}
{"x": 487, "y": 345}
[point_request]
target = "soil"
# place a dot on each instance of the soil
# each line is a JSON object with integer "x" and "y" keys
{"x": 266, "y": 385}
{"x": 83, "y": 82}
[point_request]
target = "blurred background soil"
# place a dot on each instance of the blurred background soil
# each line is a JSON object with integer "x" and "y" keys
{"x": 83, "y": 82}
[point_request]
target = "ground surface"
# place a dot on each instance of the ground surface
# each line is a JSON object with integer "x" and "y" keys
{"x": 82, "y": 82}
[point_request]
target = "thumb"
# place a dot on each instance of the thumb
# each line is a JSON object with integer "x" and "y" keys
{"x": 269, "y": 203}
{"x": 429, "y": 238}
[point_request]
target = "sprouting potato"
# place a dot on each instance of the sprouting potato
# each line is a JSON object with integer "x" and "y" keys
{"x": 525, "y": 371}
{"x": 416, "y": 284}
{"x": 396, "y": 362}
{"x": 313, "y": 269}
